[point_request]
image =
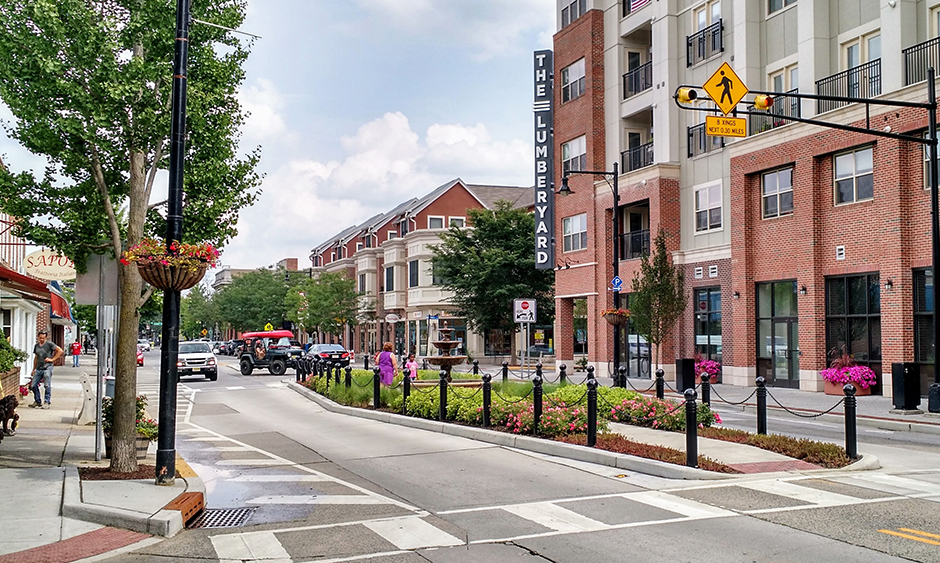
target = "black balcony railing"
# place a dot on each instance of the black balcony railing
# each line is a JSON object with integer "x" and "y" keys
{"x": 784, "y": 104}
{"x": 863, "y": 81}
{"x": 634, "y": 244}
{"x": 919, "y": 58}
{"x": 637, "y": 157}
{"x": 705, "y": 44}
{"x": 700, "y": 143}
{"x": 638, "y": 80}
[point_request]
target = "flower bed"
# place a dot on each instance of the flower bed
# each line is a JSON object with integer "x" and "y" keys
{"x": 822, "y": 454}
{"x": 621, "y": 445}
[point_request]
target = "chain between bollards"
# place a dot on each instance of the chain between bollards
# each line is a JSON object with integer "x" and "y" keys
{"x": 348, "y": 377}
{"x": 761, "y": 405}
{"x": 505, "y": 372}
{"x": 443, "y": 410}
{"x": 660, "y": 384}
{"x": 691, "y": 429}
{"x": 563, "y": 374}
{"x": 487, "y": 398}
{"x": 851, "y": 434}
{"x": 537, "y": 399}
{"x": 376, "y": 391}
{"x": 706, "y": 389}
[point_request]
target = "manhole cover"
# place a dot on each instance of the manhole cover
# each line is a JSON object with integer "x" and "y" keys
{"x": 221, "y": 518}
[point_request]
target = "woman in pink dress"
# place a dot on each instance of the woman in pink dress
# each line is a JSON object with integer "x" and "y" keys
{"x": 387, "y": 363}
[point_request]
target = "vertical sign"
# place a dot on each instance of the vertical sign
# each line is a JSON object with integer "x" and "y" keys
{"x": 544, "y": 169}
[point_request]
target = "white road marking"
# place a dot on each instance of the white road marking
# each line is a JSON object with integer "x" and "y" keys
{"x": 892, "y": 484}
{"x": 189, "y": 431}
{"x": 248, "y": 462}
{"x": 679, "y": 505}
{"x": 209, "y": 439}
{"x": 316, "y": 499}
{"x": 236, "y": 388}
{"x": 804, "y": 494}
{"x": 262, "y": 545}
{"x": 277, "y": 478}
{"x": 555, "y": 517}
{"x": 412, "y": 533}
{"x": 227, "y": 449}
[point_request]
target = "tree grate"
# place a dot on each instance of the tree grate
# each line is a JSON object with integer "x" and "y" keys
{"x": 221, "y": 518}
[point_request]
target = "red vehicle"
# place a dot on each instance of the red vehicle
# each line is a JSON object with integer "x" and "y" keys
{"x": 140, "y": 357}
{"x": 269, "y": 349}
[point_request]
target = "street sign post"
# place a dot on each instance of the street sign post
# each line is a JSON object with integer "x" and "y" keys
{"x": 725, "y": 88}
{"x": 718, "y": 126}
{"x": 616, "y": 284}
{"x": 523, "y": 310}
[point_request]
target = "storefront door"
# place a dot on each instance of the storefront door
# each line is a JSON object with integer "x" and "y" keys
{"x": 778, "y": 351}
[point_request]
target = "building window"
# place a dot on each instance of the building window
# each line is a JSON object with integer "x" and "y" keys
{"x": 777, "y": 193}
{"x": 316, "y": 261}
{"x": 436, "y": 278}
{"x": 362, "y": 283}
{"x": 359, "y": 246}
{"x": 413, "y": 273}
{"x": 853, "y": 319}
{"x": 708, "y": 323}
{"x": 774, "y": 5}
{"x": 853, "y": 176}
{"x": 572, "y": 81}
{"x": 784, "y": 80}
{"x": 403, "y": 227}
{"x": 573, "y": 11}
{"x": 574, "y": 231}
{"x": 7, "y": 322}
{"x": 332, "y": 256}
{"x": 390, "y": 278}
{"x": 435, "y": 222}
{"x": 459, "y": 222}
{"x": 574, "y": 155}
{"x": 708, "y": 208}
{"x": 923, "y": 323}
{"x": 392, "y": 234}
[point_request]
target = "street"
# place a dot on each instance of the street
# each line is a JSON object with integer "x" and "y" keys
{"x": 317, "y": 486}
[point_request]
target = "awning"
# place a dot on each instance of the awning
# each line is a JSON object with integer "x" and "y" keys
{"x": 30, "y": 288}
{"x": 60, "y": 308}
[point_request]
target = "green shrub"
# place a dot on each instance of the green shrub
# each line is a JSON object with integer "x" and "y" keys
{"x": 823, "y": 454}
{"x": 9, "y": 355}
{"x": 660, "y": 414}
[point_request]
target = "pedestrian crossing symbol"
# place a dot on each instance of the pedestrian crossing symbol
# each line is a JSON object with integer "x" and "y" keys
{"x": 725, "y": 88}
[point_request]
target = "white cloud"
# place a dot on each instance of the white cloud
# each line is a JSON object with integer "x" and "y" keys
{"x": 264, "y": 104}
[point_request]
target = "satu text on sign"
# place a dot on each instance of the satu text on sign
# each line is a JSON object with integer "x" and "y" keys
{"x": 725, "y": 126}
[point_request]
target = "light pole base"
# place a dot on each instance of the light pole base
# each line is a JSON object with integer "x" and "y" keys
{"x": 933, "y": 398}
{"x": 166, "y": 467}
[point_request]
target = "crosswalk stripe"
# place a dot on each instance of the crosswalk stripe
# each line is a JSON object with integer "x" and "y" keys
{"x": 262, "y": 545}
{"x": 555, "y": 517}
{"x": 892, "y": 484}
{"x": 278, "y": 478}
{"x": 210, "y": 439}
{"x": 412, "y": 533}
{"x": 317, "y": 499}
{"x": 228, "y": 449}
{"x": 679, "y": 505}
{"x": 236, "y": 388}
{"x": 249, "y": 462}
{"x": 805, "y": 494}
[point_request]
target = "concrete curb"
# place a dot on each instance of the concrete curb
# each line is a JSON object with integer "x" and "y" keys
{"x": 166, "y": 523}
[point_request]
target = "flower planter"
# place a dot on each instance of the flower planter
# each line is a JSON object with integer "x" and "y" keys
{"x": 616, "y": 319}
{"x": 166, "y": 277}
{"x": 836, "y": 389}
{"x": 142, "y": 443}
{"x": 10, "y": 382}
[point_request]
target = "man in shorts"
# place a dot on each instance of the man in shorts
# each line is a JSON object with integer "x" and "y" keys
{"x": 45, "y": 353}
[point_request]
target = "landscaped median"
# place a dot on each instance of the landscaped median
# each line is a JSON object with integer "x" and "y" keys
{"x": 563, "y": 417}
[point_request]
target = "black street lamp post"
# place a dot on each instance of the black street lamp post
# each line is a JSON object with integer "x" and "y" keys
{"x": 565, "y": 190}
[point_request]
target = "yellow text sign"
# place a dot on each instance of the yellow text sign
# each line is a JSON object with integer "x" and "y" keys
{"x": 725, "y": 88}
{"x": 718, "y": 126}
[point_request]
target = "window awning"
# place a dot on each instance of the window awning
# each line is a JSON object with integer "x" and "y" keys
{"x": 30, "y": 288}
{"x": 60, "y": 308}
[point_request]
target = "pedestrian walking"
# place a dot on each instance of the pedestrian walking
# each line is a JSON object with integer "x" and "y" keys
{"x": 76, "y": 352}
{"x": 387, "y": 364}
{"x": 411, "y": 366}
{"x": 45, "y": 353}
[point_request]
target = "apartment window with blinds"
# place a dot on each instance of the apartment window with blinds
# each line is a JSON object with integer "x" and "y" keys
{"x": 413, "y": 273}
{"x": 572, "y": 81}
{"x": 777, "y": 193}
{"x": 708, "y": 208}
{"x": 574, "y": 155}
{"x": 390, "y": 278}
{"x": 854, "y": 180}
{"x": 575, "y": 232}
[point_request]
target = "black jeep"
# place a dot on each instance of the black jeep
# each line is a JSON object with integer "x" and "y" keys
{"x": 271, "y": 349}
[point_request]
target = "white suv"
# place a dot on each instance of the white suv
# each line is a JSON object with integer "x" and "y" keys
{"x": 196, "y": 358}
{"x": 143, "y": 344}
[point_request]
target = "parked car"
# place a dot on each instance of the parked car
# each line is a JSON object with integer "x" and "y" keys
{"x": 332, "y": 352}
{"x": 269, "y": 349}
{"x": 140, "y": 356}
{"x": 144, "y": 344}
{"x": 540, "y": 350}
{"x": 196, "y": 358}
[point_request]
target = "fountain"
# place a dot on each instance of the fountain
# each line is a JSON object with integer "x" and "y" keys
{"x": 445, "y": 347}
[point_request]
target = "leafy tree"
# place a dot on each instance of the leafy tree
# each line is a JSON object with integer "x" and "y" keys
{"x": 326, "y": 303}
{"x": 253, "y": 300}
{"x": 658, "y": 297}
{"x": 197, "y": 313}
{"x": 489, "y": 265}
{"x": 89, "y": 85}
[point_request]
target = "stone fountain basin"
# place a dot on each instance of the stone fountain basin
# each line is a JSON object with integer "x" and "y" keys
{"x": 446, "y": 361}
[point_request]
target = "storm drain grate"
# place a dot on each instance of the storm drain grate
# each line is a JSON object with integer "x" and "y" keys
{"x": 221, "y": 518}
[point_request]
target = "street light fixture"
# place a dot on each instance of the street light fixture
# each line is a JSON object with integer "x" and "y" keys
{"x": 566, "y": 190}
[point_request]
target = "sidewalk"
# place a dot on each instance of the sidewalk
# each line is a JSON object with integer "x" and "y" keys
{"x": 57, "y": 517}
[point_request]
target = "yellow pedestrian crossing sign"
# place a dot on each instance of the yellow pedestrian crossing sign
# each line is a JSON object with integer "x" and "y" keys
{"x": 268, "y": 327}
{"x": 725, "y": 88}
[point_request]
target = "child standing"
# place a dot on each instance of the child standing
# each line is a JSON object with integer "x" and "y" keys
{"x": 412, "y": 366}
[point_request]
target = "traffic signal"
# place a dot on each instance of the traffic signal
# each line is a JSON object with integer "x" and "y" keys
{"x": 763, "y": 101}
{"x": 686, "y": 95}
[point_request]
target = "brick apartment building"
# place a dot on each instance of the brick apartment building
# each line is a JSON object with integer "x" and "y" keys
{"x": 795, "y": 241}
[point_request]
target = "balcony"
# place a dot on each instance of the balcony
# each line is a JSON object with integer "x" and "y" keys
{"x": 863, "y": 81}
{"x": 784, "y": 104}
{"x": 636, "y": 158}
{"x": 638, "y": 80}
{"x": 627, "y": 7}
{"x": 700, "y": 143}
{"x": 919, "y": 58}
{"x": 705, "y": 44}
{"x": 634, "y": 244}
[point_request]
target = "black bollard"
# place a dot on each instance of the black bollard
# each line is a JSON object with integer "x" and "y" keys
{"x": 591, "y": 412}
{"x": 443, "y": 410}
{"x": 622, "y": 376}
{"x": 660, "y": 384}
{"x": 315, "y": 366}
{"x": 405, "y": 393}
{"x": 376, "y": 389}
{"x": 505, "y": 372}
{"x": 563, "y": 374}
{"x": 326, "y": 379}
{"x": 476, "y": 367}
{"x": 851, "y": 434}
{"x": 536, "y": 400}
{"x": 761, "y": 405}
{"x": 348, "y": 377}
{"x": 706, "y": 389}
{"x": 691, "y": 429}
{"x": 336, "y": 370}
{"x": 590, "y": 373}
{"x": 365, "y": 361}
{"x": 487, "y": 390}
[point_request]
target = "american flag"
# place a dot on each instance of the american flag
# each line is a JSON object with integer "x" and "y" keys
{"x": 637, "y": 4}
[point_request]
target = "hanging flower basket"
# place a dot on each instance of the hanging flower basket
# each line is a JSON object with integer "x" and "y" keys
{"x": 166, "y": 277}
{"x": 616, "y": 317}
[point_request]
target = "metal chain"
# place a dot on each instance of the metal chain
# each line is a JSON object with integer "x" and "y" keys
{"x": 459, "y": 396}
{"x": 430, "y": 389}
{"x": 397, "y": 385}
{"x": 524, "y": 397}
{"x": 554, "y": 404}
{"x": 369, "y": 384}
{"x": 638, "y": 390}
{"x": 723, "y": 400}
{"x": 817, "y": 415}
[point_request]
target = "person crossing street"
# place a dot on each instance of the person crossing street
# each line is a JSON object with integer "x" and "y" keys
{"x": 45, "y": 353}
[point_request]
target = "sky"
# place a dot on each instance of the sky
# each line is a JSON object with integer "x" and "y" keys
{"x": 359, "y": 105}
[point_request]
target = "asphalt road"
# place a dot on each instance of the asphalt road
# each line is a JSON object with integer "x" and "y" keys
{"x": 316, "y": 486}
